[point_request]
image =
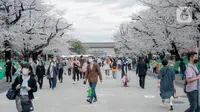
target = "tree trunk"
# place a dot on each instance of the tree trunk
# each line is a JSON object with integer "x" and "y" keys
{"x": 8, "y": 55}
{"x": 175, "y": 51}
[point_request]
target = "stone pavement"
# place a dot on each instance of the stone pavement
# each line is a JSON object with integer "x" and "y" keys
{"x": 179, "y": 80}
{"x": 112, "y": 97}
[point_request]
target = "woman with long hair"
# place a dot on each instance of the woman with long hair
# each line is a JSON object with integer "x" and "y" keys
{"x": 84, "y": 68}
{"x": 52, "y": 74}
{"x": 107, "y": 66}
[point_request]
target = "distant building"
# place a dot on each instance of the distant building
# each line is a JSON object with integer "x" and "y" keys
{"x": 101, "y": 49}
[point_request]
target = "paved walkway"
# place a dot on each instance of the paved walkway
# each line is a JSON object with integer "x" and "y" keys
{"x": 112, "y": 97}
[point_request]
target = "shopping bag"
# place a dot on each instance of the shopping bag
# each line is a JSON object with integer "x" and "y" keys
{"x": 18, "y": 103}
{"x": 26, "y": 103}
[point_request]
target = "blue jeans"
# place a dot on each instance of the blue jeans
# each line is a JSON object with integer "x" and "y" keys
{"x": 52, "y": 82}
{"x": 182, "y": 73}
{"x": 93, "y": 87}
{"x": 114, "y": 74}
{"x": 193, "y": 99}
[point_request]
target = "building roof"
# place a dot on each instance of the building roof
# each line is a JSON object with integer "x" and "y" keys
{"x": 100, "y": 44}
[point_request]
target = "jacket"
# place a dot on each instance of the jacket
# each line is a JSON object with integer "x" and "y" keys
{"x": 93, "y": 74}
{"x": 40, "y": 71}
{"x": 31, "y": 83}
{"x": 54, "y": 72}
{"x": 141, "y": 68}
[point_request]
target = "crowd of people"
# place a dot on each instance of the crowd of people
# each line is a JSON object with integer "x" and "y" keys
{"x": 89, "y": 70}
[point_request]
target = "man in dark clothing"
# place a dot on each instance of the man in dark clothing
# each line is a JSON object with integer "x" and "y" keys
{"x": 182, "y": 69}
{"x": 60, "y": 70}
{"x": 124, "y": 67}
{"x": 141, "y": 71}
{"x": 8, "y": 66}
{"x": 40, "y": 72}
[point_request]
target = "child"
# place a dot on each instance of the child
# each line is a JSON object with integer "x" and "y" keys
{"x": 125, "y": 80}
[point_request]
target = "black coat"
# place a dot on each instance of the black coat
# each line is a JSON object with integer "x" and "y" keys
{"x": 40, "y": 70}
{"x": 55, "y": 72}
{"x": 8, "y": 66}
{"x": 141, "y": 68}
{"x": 31, "y": 83}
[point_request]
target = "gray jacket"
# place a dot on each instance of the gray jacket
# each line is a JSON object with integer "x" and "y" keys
{"x": 54, "y": 72}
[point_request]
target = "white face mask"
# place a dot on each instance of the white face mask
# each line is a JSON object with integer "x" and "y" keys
{"x": 25, "y": 71}
{"x": 20, "y": 69}
{"x": 90, "y": 60}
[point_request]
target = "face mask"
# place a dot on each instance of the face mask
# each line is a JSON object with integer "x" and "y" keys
{"x": 25, "y": 71}
{"x": 195, "y": 61}
{"x": 90, "y": 60}
{"x": 20, "y": 69}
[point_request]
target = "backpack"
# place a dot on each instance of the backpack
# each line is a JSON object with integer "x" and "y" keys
{"x": 114, "y": 66}
{"x": 182, "y": 66}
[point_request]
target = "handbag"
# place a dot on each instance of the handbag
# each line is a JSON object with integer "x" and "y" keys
{"x": 18, "y": 103}
{"x": 11, "y": 94}
{"x": 26, "y": 103}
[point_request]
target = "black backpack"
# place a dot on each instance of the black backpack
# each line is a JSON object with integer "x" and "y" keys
{"x": 182, "y": 66}
{"x": 114, "y": 66}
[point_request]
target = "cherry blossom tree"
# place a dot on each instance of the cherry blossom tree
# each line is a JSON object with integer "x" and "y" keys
{"x": 157, "y": 30}
{"x": 33, "y": 31}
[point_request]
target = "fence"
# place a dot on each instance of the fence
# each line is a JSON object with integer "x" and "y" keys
{"x": 3, "y": 68}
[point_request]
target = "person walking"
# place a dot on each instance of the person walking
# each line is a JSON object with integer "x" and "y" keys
{"x": 84, "y": 68}
{"x": 8, "y": 72}
{"x": 55, "y": 65}
{"x": 129, "y": 63}
{"x": 81, "y": 65}
{"x": 19, "y": 69}
{"x": 33, "y": 65}
{"x": 192, "y": 77}
{"x": 52, "y": 75}
{"x": 114, "y": 67}
{"x": 69, "y": 66}
{"x": 92, "y": 74}
{"x": 182, "y": 69}
{"x": 124, "y": 67}
{"x": 60, "y": 68}
{"x": 99, "y": 61}
{"x": 141, "y": 71}
{"x": 25, "y": 85}
{"x": 166, "y": 83}
{"x": 76, "y": 65}
{"x": 107, "y": 66}
{"x": 40, "y": 72}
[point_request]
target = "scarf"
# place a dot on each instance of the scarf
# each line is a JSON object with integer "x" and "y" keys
{"x": 24, "y": 85}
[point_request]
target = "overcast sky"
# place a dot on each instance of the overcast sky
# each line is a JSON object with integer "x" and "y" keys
{"x": 97, "y": 20}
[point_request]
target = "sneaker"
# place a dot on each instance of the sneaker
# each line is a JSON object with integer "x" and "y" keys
{"x": 163, "y": 103}
{"x": 95, "y": 100}
{"x": 89, "y": 101}
{"x": 74, "y": 82}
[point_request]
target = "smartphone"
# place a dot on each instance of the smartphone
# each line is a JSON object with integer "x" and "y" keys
{"x": 23, "y": 87}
